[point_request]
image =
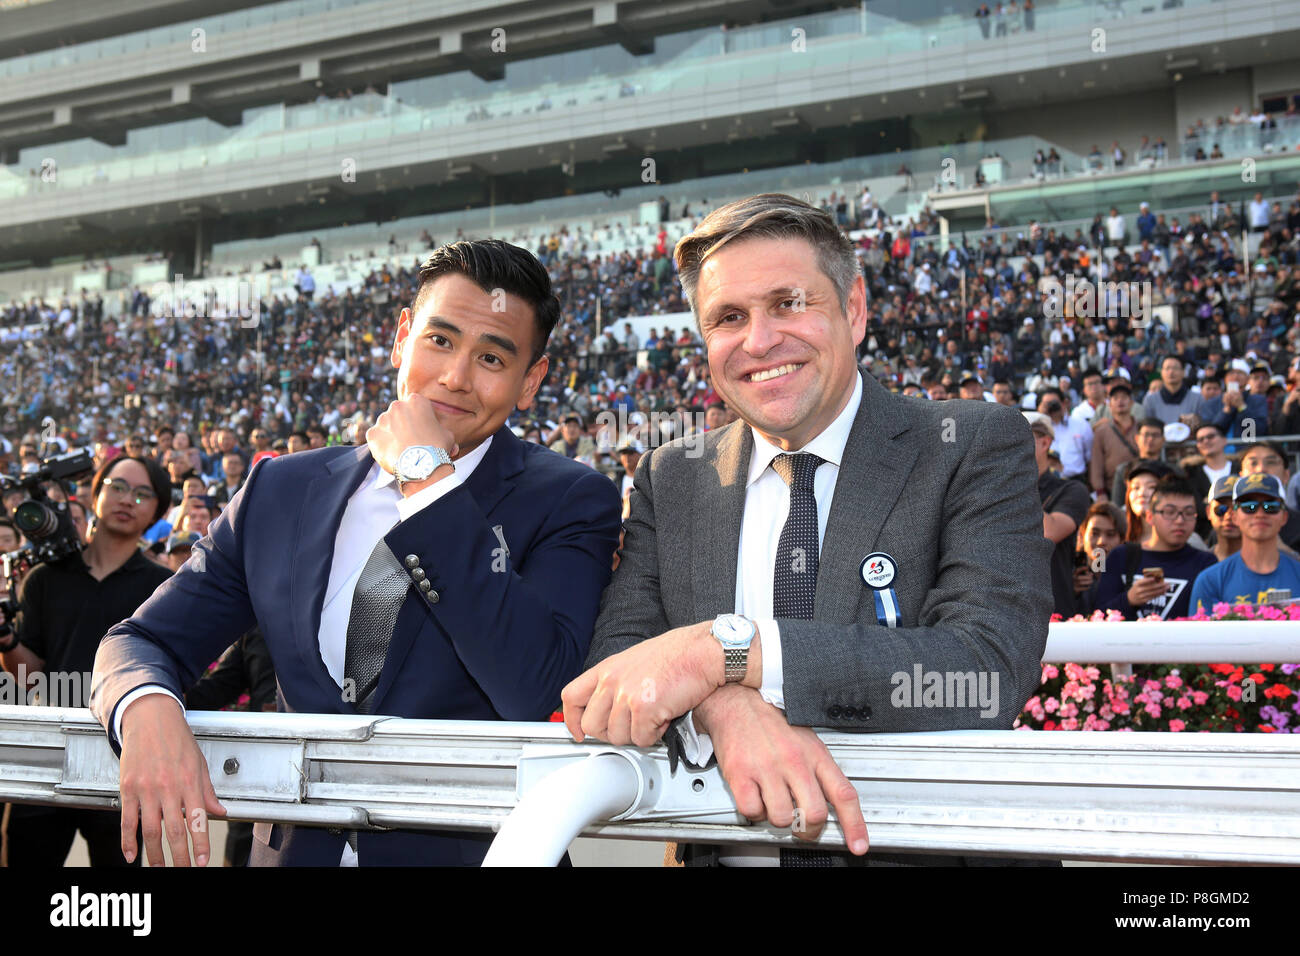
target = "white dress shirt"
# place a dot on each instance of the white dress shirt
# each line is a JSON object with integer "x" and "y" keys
{"x": 767, "y": 505}
{"x": 373, "y": 510}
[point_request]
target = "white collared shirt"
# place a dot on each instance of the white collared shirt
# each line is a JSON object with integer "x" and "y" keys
{"x": 767, "y": 504}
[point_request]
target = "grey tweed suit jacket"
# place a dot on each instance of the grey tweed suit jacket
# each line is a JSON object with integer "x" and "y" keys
{"x": 948, "y": 489}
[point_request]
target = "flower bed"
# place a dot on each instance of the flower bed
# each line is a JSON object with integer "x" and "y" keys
{"x": 1263, "y": 698}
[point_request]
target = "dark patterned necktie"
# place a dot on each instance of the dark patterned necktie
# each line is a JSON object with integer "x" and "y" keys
{"x": 794, "y": 581}
{"x": 379, "y": 594}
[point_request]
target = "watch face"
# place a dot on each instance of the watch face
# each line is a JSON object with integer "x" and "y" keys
{"x": 416, "y": 463}
{"x": 732, "y": 629}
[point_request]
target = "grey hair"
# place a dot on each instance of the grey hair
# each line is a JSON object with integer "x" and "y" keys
{"x": 768, "y": 216}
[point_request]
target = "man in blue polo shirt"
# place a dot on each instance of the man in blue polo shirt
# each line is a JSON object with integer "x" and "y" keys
{"x": 1259, "y": 511}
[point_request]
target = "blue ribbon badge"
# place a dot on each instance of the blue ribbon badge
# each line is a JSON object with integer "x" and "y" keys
{"x": 878, "y": 571}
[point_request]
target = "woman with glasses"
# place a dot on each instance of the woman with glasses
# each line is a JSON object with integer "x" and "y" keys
{"x": 64, "y": 609}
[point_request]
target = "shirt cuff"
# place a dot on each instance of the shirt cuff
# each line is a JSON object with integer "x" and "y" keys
{"x": 773, "y": 686}
{"x": 697, "y": 748}
{"x": 413, "y": 505}
{"x": 131, "y": 698}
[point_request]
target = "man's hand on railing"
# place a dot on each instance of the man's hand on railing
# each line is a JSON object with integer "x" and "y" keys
{"x": 773, "y": 768}
{"x": 165, "y": 784}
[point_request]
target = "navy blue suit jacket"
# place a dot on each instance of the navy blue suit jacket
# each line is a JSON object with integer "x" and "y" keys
{"x": 504, "y": 634}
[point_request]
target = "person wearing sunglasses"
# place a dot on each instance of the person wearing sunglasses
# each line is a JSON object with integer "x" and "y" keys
{"x": 1263, "y": 562}
{"x": 1225, "y": 538}
{"x": 1270, "y": 457}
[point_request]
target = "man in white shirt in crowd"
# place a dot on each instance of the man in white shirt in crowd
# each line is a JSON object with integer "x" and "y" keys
{"x": 1072, "y": 438}
{"x": 1093, "y": 408}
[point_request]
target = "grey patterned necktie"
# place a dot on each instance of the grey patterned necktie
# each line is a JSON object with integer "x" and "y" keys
{"x": 794, "y": 582}
{"x": 378, "y": 597}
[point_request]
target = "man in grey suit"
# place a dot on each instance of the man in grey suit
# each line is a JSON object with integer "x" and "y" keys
{"x": 807, "y": 565}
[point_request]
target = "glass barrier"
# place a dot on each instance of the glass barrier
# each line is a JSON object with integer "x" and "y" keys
{"x": 372, "y": 117}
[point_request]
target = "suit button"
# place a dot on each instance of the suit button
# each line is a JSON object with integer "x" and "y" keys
{"x": 412, "y": 560}
{"x": 835, "y": 712}
{"x": 426, "y": 586}
{"x": 434, "y": 597}
{"x": 418, "y": 574}
{"x": 850, "y": 713}
{"x": 864, "y": 713}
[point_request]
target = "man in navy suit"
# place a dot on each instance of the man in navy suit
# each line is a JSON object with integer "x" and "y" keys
{"x": 506, "y": 544}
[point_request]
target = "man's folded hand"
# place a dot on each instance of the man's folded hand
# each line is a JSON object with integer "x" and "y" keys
{"x": 777, "y": 772}
{"x": 631, "y": 697}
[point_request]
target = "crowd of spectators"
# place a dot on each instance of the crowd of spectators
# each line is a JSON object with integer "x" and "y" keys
{"x": 1113, "y": 333}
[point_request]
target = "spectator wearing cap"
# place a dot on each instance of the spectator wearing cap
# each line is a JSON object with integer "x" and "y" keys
{"x": 1237, "y": 412}
{"x": 1154, "y": 577}
{"x": 1225, "y": 537}
{"x": 629, "y": 456}
{"x": 1065, "y": 504}
{"x": 970, "y": 388}
{"x": 1173, "y": 399}
{"x": 1113, "y": 439}
{"x": 1073, "y": 441}
{"x": 1260, "y": 565}
{"x": 179, "y": 547}
{"x": 1150, "y": 442}
{"x": 1146, "y": 222}
{"x": 1268, "y": 457}
{"x": 572, "y": 442}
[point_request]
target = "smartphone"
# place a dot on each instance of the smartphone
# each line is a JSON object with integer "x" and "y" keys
{"x": 1233, "y": 386}
{"x": 1081, "y": 559}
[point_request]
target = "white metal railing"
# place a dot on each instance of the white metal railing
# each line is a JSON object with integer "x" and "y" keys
{"x": 1134, "y": 796}
{"x": 1186, "y": 642}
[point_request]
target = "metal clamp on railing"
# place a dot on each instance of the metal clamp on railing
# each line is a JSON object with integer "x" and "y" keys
{"x": 1134, "y": 796}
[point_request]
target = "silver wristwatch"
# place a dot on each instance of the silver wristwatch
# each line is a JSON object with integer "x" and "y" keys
{"x": 418, "y": 462}
{"x": 735, "y": 633}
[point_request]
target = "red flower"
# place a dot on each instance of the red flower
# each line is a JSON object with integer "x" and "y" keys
{"x": 1049, "y": 725}
{"x": 1221, "y": 668}
{"x": 1266, "y": 667}
{"x": 1231, "y": 713}
{"x": 1280, "y": 691}
{"x": 1257, "y": 677}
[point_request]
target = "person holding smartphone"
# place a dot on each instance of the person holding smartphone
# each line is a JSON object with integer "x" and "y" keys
{"x": 1154, "y": 576}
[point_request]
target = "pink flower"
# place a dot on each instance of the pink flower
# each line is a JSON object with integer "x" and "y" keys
{"x": 1177, "y": 726}
{"x": 1222, "y": 608}
{"x": 1234, "y": 691}
{"x": 1069, "y": 724}
{"x": 1184, "y": 703}
{"x": 1049, "y": 672}
{"x": 1069, "y": 709}
{"x": 1199, "y": 697}
{"x": 1051, "y": 704}
{"x": 1152, "y": 709}
{"x": 1071, "y": 689}
{"x": 1173, "y": 680}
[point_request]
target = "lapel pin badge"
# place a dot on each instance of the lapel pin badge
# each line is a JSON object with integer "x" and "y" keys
{"x": 878, "y": 571}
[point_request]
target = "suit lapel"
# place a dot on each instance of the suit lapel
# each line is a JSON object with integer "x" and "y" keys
{"x": 319, "y": 516}
{"x": 718, "y": 506}
{"x": 873, "y": 471}
{"x": 492, "y": 480}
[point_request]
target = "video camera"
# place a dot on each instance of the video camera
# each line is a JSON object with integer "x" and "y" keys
{"x": 46, "y": 524}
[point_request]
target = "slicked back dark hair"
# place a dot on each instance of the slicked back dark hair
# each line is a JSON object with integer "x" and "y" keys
{"x": 492, "y": 264}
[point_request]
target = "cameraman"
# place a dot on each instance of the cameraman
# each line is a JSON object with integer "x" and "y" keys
{"x": 64, "y": 608}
